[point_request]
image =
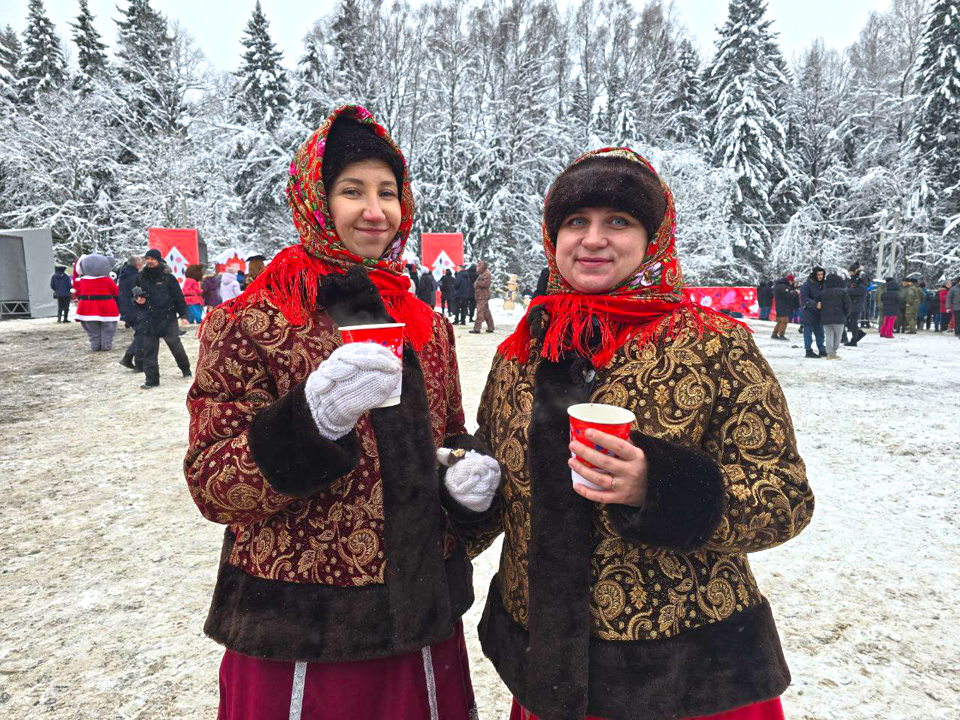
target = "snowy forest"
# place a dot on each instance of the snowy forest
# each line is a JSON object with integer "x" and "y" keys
{"x": 776, "y": 163}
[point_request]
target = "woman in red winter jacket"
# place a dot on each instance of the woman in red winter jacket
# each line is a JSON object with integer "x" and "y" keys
{"x": 193, "y": 294}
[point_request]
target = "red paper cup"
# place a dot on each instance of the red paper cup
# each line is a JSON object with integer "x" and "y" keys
{"x": 390, "y": 335}
{"x": 608, "y": 419}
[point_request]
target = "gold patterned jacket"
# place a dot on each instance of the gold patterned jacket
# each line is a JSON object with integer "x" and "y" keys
{"x": 334, "y": 551}
{"x": 655, "y": 608}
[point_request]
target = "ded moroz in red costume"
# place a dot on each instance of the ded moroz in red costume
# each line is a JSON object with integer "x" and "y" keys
{"x": 341, "y": 584}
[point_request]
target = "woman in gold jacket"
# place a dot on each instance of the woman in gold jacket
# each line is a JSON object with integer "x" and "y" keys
{"x": 635, "y": 600}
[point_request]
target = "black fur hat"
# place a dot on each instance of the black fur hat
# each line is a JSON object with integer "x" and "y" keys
{"x": 349, "y": 141}
{"x": 854, "y": 267}
{"x": 606, "y": 182}
{"x": 834, "y": 281}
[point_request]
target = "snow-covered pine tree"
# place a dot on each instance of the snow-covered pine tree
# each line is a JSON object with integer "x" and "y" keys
{"x": 349, "y": 41}
{"x": 446, "y": 155}
{"x": 819, "y": 121}
{"x": 588, "y": 35}
{"x": 652, "y": 82}
{"x": 143, "y": 41}
{"x": 269, "y": 132}
{"x": 685, "y": 108}
{"x": 41, "y": 66}
{"x": 579, "y": 112}
{"x": 91, "y": 52}
{"x": 744, "y": 131}
{"x": 936, "y": 135}
{"x": 10, "y": 52}
{"x": 522, "y": 148}
{"x": 264, "y": 88}
{"x": 144, "y": 50}
{"x": 62, "y": 163}
{"x": 312, "y": 79}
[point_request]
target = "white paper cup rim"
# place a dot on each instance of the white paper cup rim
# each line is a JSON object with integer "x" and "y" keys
{"x": 601, "y": 413}
{"x": 372, "y": 327}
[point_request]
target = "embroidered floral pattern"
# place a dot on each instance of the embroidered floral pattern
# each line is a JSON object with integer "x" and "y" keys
{"x": 336, "y": 536}
{"x": 716, "y": 393}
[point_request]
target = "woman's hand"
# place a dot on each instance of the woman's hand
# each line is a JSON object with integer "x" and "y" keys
{"x": 626, "y": 483}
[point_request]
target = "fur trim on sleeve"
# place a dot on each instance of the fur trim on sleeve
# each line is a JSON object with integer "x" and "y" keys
{"x": 685, "y": 497}
{"x": 292, "y": 455}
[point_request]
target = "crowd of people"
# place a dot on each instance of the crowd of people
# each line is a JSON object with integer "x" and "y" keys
{"x": 832, "y": 310}
{"x": 145, "y": 297}
{"x": 464, "y": 293}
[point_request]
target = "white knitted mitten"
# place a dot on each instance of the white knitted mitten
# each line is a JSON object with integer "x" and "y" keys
{"x": 471, "y": 481}
{"x": 355, "y": 378}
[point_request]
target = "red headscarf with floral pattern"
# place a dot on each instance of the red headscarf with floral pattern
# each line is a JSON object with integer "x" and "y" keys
{"x": 291, "y": 280}
{"x": 649, "y": 303}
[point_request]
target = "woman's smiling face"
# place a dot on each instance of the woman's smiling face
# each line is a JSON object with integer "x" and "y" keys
{"x": 598, "y": 248}
{"x": 365, "y": 207}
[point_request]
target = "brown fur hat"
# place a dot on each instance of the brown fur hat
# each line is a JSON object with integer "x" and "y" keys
{"x": 606, "y": 182}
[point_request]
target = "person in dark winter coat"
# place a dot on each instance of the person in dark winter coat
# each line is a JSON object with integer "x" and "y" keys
{"x": 447, "y": 284}
{"x": 125, "y": 282}
{"x": 810, "y": 312}
{"x": 412, "y": 272}
{"x": 890, "y": 305}
{"x": 835, "y": 308}
{"x": 765, "y": 297}
{"x": 472, "y": 297}
{"x": 785, "y": 298}
{"x": 60, "y": 284}
{"x": 542, "y": 282}
{"x": 857, "y": 291}
{"x": 462, "y": 289}
{"x": 136, "y": 314}
{"x": 427, "y": 288}
{"x": 924, "y": 319}
{"x": 164, "y": 304}
{"x": 210, "y": 287}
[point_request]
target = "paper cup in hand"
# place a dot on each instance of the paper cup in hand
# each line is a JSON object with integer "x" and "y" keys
{"x": 390, "y": 335}
{"x": 608, "y": 419}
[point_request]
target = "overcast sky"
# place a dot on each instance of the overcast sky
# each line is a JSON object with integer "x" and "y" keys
{"x": 218, "y": 24}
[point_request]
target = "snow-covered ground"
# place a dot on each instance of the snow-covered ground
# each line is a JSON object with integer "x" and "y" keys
{"x": 107, "y": 566}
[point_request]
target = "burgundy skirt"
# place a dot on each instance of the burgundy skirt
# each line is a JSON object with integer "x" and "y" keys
{"x": 433, "y": 683}
{"x": 767, "y": 710}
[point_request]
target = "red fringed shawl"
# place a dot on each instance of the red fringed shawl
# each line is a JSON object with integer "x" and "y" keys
{"x": 291, "y": 280}
{"x": 649, "y": 304}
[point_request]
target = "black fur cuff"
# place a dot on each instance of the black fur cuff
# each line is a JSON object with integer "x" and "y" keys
{"x": 685, "y": 497}
{"x": 352, "y": 298}
{"x": 292, "y": 455}
{"x": 457, "y": 512}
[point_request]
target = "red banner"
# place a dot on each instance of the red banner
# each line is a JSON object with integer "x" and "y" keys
{"x": 737, "y": 299}
{"x": 440, "y": 251}
{"x": 179, "y": 247}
